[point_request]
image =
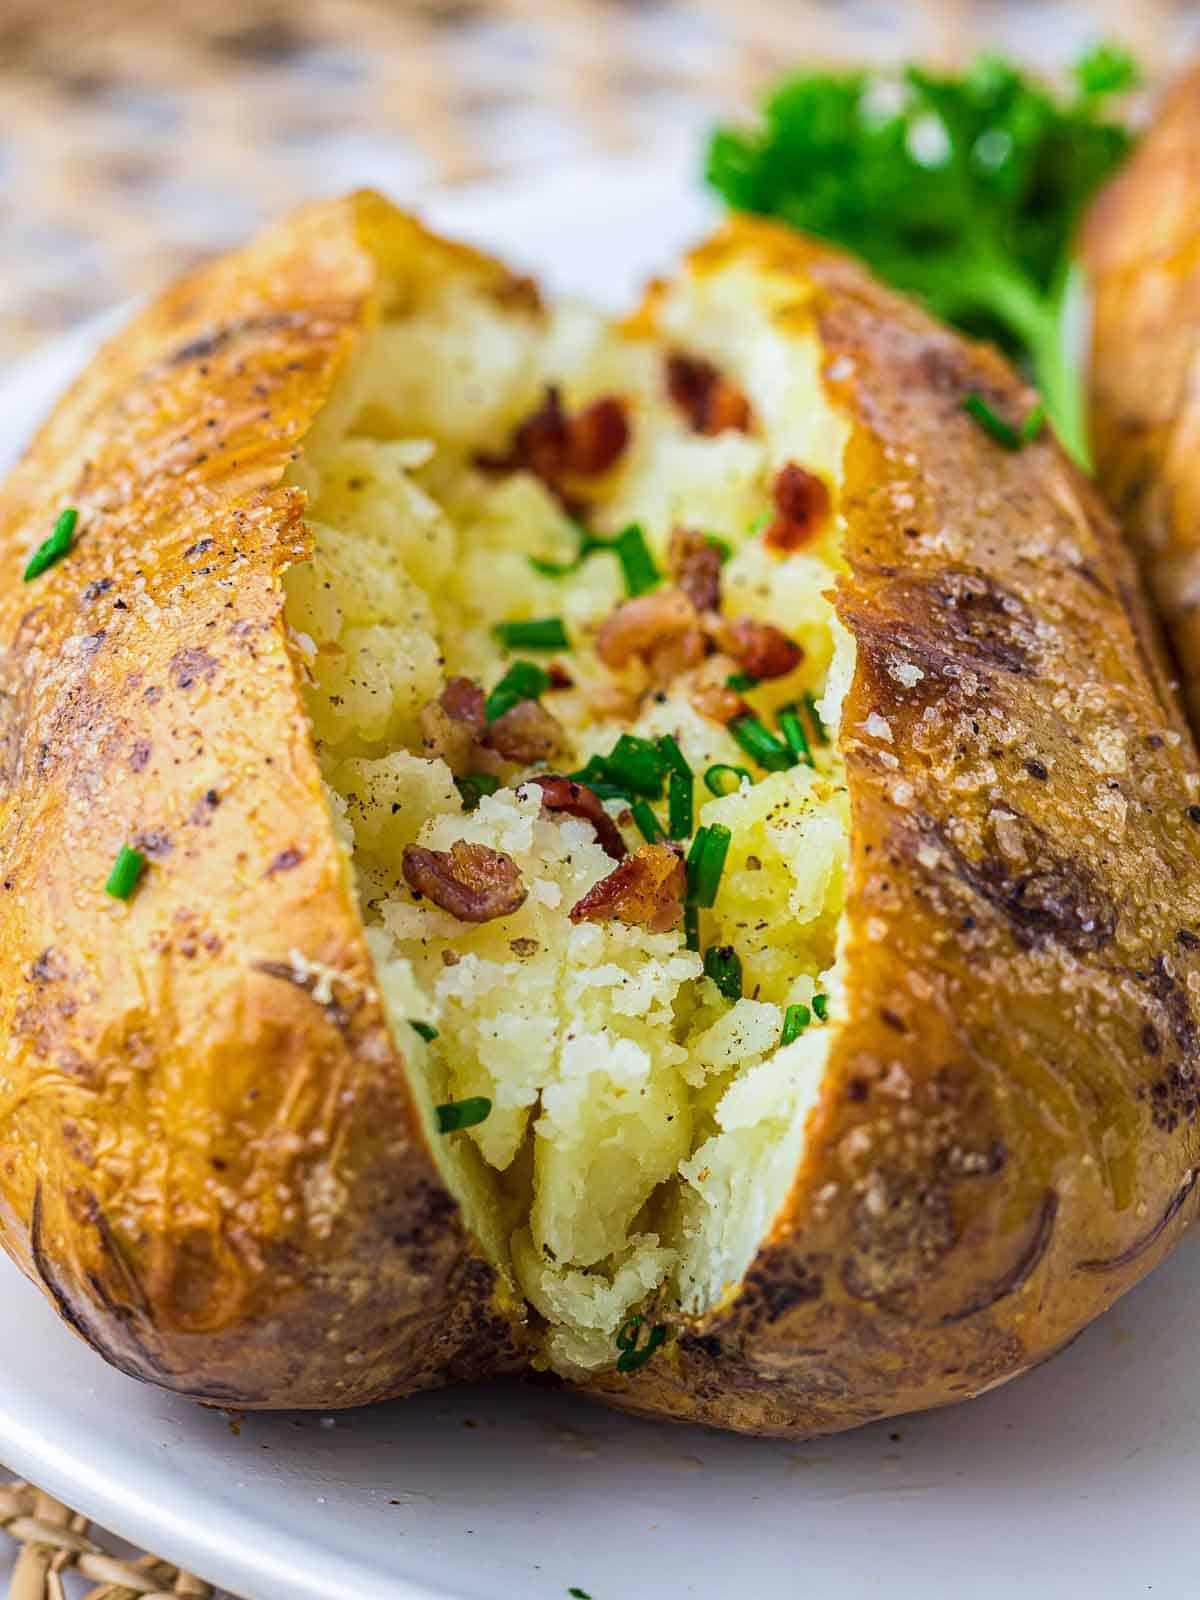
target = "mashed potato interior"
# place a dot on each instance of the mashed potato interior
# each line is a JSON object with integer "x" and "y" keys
{"x": 643, "y": 1127}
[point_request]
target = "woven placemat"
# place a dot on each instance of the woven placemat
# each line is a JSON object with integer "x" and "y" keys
{"x": 137, "y": 136}
{"x": 125, "y": 124}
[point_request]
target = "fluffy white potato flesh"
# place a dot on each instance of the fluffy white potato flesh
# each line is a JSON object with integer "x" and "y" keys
{"x": 644, "y": 1127}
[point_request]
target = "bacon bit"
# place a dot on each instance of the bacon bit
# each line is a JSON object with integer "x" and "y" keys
{"x": 526, "y": 732}
{"x": 759, "y": 648}
{"x": 554, "y": 446}
{"x": 640, "y": 626}
{"x": 696, "y": 567}
{"x": 577, "y": 800}
{"x": 710, "y": 402}
{"x": 801, "y": 506}
{"x": 451, "y": 725}
{"x": 471, "y": 881}
{"x": 645, "y": 891}
{"x": 560, "y": 678}
{"x": 711, "y": 696}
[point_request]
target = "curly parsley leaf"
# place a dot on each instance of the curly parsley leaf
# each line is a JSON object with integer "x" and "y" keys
{"x": 964, "y": 191}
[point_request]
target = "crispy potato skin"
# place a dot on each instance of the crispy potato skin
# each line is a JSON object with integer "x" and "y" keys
{"x": 210, "y": 1158}
{"x": 1141, "y": 243}
{"x": 1006, "y": 1139}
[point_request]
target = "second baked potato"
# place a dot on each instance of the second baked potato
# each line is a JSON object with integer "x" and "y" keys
{"x": 668, "y": 855}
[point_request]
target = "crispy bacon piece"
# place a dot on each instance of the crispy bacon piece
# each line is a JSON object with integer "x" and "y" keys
{"x": 555, "y": 447}
{"x": 451, "y": 724}
{"x": 696, "y": 567}
{"x": 662, "y": 628}
{"x": 577, "y": 800}
{"x": 801, "y": 508}
{"x": 710, "y": 402}
{"x": 645, "y": 891}
{"x": 526, "y": 732}
{"x": 471, "y": 881}
{"x": 759, "y": 648}
{"x": 711, "y": 696}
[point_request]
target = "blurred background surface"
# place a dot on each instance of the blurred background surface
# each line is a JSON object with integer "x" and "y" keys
{"x": 139, "y": 135}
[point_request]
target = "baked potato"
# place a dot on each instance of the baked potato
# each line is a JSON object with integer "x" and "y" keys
{"x": 656, "y": 853}
{"x": 1141, "y": 245}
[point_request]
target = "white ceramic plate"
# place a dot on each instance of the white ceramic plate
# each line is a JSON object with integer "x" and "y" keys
{"x": 1081, "y": 1479}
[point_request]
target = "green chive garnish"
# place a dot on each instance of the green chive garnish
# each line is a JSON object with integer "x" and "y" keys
{"x": 795, "y": 1020}
{"x": 540, "y": 633}
{"x": 641, "y": 573}
{"x": 821, "y": 1006}
{"x": 425, "y": 1030}
{"x": 127, "y": 869}
{"x": 563, "y": 569}
{"x": 674, "y": 756}
{"x": 54, "y": 548}
{"x": 722, "y": 546}
{"x": 474, "y": 784}
{"x": 691, "y": 927}
{"x": 820, "y": 732}
{"x": 741, "y": 681}
{"x": 761, "y": 744}
{"x": 679, "y": 805}
{"x": 636, "y": 765}
{"x": 722, "y": 965}
{"x": 458, "y": 1114}
{"x": 793, "y": 731}
{"x": 706, "y": 863}
{"x": 648, "y": 823}
{"x": 631, "y": 1357}
{"x": 724, "y": 779}
{"x": 1003, "y": 432}
{"x": 524, "y": 680}
{"x": 578, "y": 1594}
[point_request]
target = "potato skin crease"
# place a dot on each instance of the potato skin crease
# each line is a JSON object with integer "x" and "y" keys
{"x": 1141, "y": 247}
{"x": 211, "y": 1160}
{"x": 1006, "y": 1136}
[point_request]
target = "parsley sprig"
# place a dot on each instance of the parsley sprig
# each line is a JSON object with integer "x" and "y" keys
{"x": 963, "y": 190}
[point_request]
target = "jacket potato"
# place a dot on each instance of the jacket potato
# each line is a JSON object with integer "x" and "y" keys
{"x": 656, "y": 853}
{"x": 1141, "y": 244}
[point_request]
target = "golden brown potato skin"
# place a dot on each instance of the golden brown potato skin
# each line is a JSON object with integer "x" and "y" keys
{"x": 1007, "y": 1134}
{"x": 217, "y": 1173}
{"x": 1141, "y": 243}
{"x": 212, "y": 1166}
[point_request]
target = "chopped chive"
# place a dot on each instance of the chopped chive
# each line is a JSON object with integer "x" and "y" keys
{"x": 577, "y": 1593}
{"x": 424, "y": 1030}
{"x": 722, "y": 779}
{"x": 458, "y": 1114}
{"x": 722, "y": 546}
{"x": 793, "y": 731}
{"x": 524, "y": 680}
{"x": 1032, "y": 425}
{"x": 126, "y": 870}
{"x": 631, "y": 1357}
{"x": 563, "y": 569}
{"x": 705, "y": 864}
{"x": 637, "y": 764}
{"x": 539, "y": 633}
{"x": 820, "y": 732}
{"x": 691, "y": 927}
{"x": 638, "y": 565}
{"x": 474, "y": 784}
{"x": 821, "y": 1006}
{"x": 758, "y": 742}
{"x": 1003, "y": 432}
{"x": 648, "y": 823}
{"x": 674, "y": 756}
{"x": 761, "y": 523}
{"x": 795, "y": 1020}
{"x": 679, "y": 805}
{"x": 53, "y": 549}
{"x": 722, "y": 965}
{"x": 741, "y": 681}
